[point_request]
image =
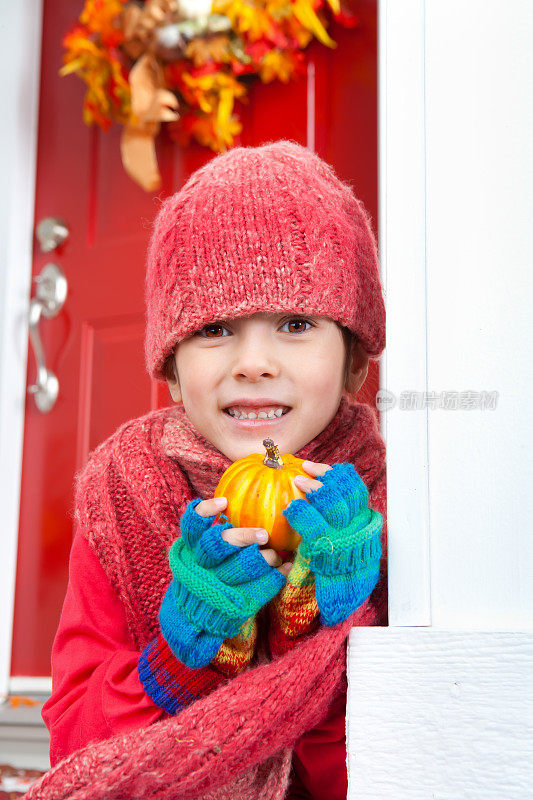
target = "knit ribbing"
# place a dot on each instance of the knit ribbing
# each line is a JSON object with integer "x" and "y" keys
{"x": 171, "y": 684}
{"x": 216, "y": 588}
{"x": 235, "y": 654}
{"x": 340, "y": 539}
{"x": 199, "y": 611}
{"x": 294, "y": 612}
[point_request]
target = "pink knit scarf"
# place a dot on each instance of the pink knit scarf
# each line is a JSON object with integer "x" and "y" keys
{"x": 236, "y": 742}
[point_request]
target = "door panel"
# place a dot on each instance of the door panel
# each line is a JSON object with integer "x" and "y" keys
{"x": 111, "y": 360}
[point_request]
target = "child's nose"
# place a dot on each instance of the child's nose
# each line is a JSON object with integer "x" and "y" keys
{"x": 255, "y": 362}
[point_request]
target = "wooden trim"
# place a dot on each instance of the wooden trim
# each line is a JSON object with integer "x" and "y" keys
{"x": 402, "y": 225}
{"x": 30, "y": 685}
{"x": 20, "y": 48}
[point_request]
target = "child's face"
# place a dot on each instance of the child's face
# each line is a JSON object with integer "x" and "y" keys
{"x": 281, "y": 360}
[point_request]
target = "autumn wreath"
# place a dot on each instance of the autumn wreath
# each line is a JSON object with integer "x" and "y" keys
{"x": 185, "y": 62}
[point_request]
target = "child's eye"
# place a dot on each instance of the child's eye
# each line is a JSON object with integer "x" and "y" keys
{"x": 213, "y": 326}
{"x": 298, "y": 321}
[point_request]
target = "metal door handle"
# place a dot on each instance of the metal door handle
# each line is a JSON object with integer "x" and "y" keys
{"x": 50, "y": 296}
{"x": 51, "y": 232}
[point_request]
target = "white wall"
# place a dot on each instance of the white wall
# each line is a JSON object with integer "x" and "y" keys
{"x": 479, "y": 228}
{"x": 457, "y": 249}
{"x": 440, "y": 704}
{"x": 440, "y": 715}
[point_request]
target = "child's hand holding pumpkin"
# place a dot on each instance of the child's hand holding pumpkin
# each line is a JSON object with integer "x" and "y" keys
{"x": 221, "y": 579}
{"x": 341, "y": 541}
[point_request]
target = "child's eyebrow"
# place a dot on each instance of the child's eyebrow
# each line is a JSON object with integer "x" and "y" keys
{"x": 276, "y": 319}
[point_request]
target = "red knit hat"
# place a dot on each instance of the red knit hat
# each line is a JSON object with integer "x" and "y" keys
{"x": 266, "y": 229}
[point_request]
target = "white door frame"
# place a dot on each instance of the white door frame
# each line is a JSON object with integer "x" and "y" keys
{"x": 402, "y": 245}
{"x": 20, "y": 57}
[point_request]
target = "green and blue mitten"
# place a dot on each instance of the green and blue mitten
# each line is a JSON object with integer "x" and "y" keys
{"x": 216, "y": 590}
{"x": 340, "y": 541}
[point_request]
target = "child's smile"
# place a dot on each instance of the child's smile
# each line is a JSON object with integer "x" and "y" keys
{"x": 257, "y": 412}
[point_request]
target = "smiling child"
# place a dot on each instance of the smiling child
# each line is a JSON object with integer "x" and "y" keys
{"x": 191, "y": 659}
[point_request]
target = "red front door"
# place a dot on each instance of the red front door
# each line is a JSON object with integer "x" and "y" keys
{"x": 95, "y": 344}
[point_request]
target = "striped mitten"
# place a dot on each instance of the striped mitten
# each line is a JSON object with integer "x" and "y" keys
{"x": 171, "y": 684}
{"x": 341, "y": 541}
{"x": 294, "y": 611}
{"x": 235, "y": 654}
{"x": 216, "y": 589}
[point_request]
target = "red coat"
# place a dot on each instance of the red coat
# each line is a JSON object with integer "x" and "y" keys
{"x": 96, "y": 691}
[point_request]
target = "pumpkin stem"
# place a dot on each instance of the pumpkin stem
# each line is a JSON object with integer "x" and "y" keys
{"x": 272, "y": 458}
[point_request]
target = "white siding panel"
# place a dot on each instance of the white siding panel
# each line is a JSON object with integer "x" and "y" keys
{"x": 479, "y": 211}
{"x": 403, "y": 266}
{"x": 439, "y": 715}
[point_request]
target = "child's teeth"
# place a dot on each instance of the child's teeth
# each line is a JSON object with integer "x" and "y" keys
{"x": 272, "y": 414}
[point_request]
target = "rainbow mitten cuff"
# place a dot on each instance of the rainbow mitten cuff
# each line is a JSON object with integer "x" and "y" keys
{"x": 341, "y": 541}
{"x": 171, "y": 684}
{"x": 216, "y": 588}
{"x": 235, "y": 654}
{"x": 294, "y": 611}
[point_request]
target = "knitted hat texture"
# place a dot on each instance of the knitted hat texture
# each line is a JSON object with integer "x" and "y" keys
{"x": 261, "y": 229}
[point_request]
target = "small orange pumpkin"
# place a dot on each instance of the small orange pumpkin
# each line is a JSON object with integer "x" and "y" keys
{"x": 258, "y": 489}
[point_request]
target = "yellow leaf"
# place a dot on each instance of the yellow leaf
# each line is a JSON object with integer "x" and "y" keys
{"x": 335, "y": 6}
{"x": 71, "y": 67}
{"x": 307, "y": 17}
